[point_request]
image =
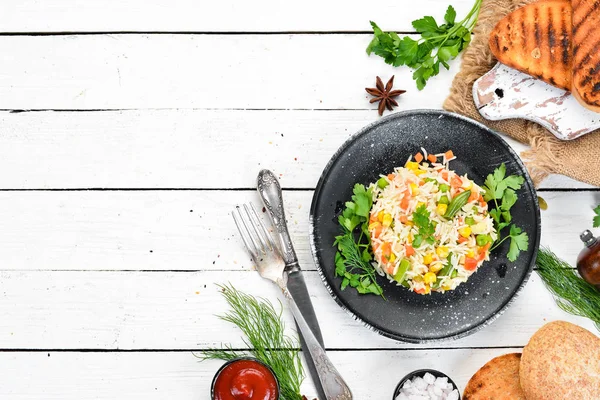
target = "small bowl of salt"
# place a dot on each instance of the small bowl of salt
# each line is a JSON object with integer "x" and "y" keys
{"x": 426, "y": 384}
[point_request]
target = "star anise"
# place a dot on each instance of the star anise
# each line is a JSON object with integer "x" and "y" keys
{"x": 384, "y": 95}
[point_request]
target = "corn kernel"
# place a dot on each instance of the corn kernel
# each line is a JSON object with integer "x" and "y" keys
{"x": 387, "y": 220}
{"x": 442, "y": 252}
{"x": 392, "y": 258}
{"x": 380, "y": 216}
{"x": 427, "y": 289}
{"x": 429, "y": 278}
{"x": 441, "y": 209}
{"x": 465, "y": 232}
{"x": 409, "y": 223}
{"x": 420, "y": 172}
{"x": 414, "y": 189}
{"x": 428, "y": 259}
{"x": 446, "y": 287}
{"x": 420, "y": 203}
{"x": 374, "y": 225}
{"x": 412, "y": 165}
{"x": 471, "y": 253}
{"x": 436, "y": 267}
{"x": 467, "y": 184}
{"x": 409, "y": 239}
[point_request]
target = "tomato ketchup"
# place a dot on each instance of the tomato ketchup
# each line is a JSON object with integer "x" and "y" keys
{"x": 245, "y": 379}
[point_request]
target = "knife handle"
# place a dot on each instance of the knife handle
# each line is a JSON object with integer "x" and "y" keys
{"x": 270, "y": 193}
{"x": 334, "y": 386}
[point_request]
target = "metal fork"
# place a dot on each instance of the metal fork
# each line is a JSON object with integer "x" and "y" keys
{"x": 266, "y": 255}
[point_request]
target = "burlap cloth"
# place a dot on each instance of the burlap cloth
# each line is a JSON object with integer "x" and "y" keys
{"x": 579, "y": 158}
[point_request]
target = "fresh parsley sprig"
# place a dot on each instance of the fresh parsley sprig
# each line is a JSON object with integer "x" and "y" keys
{"x": 352, "y": 260}
{"x": 501, "y": 189}
{"x": 424, "y": 225}
{"x": 438, "y": 43}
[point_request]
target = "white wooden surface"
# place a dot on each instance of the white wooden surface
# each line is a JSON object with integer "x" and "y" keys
{"x": 115, "y": 190}
{"x": 221, "y": 16}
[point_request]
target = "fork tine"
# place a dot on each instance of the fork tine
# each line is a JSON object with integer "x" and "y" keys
{"x": 244, "y": 233}
{"x": 254, "y": 225}
{"x": 265, "y": 233}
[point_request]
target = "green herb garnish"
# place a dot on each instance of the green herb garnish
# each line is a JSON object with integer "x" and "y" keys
{"x": 437, "y": 45}
{"x": 572, "y": 293}
{"x": 265, "y": 338}
{"x": 425, "y": 226}
{"x": 597, "y": 217}
{"x": 502, "y": 190}
{"x": 352, "y": 260}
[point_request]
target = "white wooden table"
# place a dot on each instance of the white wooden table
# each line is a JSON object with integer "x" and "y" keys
{"x": 128, "y": 131}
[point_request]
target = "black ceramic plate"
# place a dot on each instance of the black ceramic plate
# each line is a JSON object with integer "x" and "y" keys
{"x": 378, "y": 149}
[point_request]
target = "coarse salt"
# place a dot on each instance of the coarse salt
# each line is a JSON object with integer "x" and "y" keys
{"x": 427, "y": 387}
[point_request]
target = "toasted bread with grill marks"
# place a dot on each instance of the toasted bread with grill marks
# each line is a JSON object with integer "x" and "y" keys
{"x": 586, "y": 52}
{"x": 536, "y": 39}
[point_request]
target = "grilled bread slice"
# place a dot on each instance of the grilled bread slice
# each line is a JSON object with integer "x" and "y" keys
{"x": 536, "y": 39}
{"x": 586, "y": 52}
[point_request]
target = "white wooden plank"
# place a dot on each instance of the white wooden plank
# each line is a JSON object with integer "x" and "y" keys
{"x": 177, "y": 148}
{"x": 221, "y": 16}
{"x": 118, "y": 310}
{"x": 187, "y": 230}
{"x": 180, "y": 230}
{"x": 199, "y": 71}
{"x": 166, "y": 376}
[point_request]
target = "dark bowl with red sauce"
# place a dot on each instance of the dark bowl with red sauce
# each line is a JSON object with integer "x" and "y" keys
{"x": 245, "y": 378}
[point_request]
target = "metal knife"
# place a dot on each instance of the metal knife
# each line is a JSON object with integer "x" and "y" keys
{"x": 270, "y": 193}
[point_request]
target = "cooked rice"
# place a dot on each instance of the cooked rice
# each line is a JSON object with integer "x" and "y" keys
{"x": 393, "y": 230}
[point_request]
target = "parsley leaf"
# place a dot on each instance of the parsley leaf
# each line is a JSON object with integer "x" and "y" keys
{"x": 425, "y": 226}
{"x": 500, "y": 193}
{"x": 519, "y": 241}
{"x": 597, "y": 217}
{"x": 450, "y": 16}
{"x": 352, "y": 260}
{"x": 437, "y": 45}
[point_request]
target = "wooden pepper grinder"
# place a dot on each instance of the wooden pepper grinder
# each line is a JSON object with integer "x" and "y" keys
{"x": 588, "y": 261}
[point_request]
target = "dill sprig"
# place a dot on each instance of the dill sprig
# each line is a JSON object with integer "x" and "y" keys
{"x": 572, "y": 293}
{"x": 265, "y": 338}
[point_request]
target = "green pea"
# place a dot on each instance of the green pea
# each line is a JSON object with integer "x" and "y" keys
{"x": 444, "y": 188}
{"x": 470, "y": 221}
{"x": 482, "y": 240}
{"x": 382, "y": 183}
{"x": 443, "y": 200}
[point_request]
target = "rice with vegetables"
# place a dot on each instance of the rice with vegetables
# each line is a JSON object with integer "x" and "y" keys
{"x": 430, "y": 228}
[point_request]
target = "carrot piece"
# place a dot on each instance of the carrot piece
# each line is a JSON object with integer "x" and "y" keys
{"x": 445, "y": 175}
{"x": 432, "y": 158}
{"x": 391, "y": 177}
{"x": 474, "y": 196}
{"x": 462, "y": 239}
{"x": 485, "y": 248}
{"x": 405, "y": 200}
{"x": 390, "y": 269}
{"x": 449, "y": 154}
{"x": 403, "y": 219}
{"x": 386, "y": 249}
{"x": 409, "y": 250}
{"x": 372, "y": 218}
{"x": 470, "y": 264}
{"x": 456, "y": 182}
{"x": 418, "y": 157}
{"x": 377, "y": 231}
